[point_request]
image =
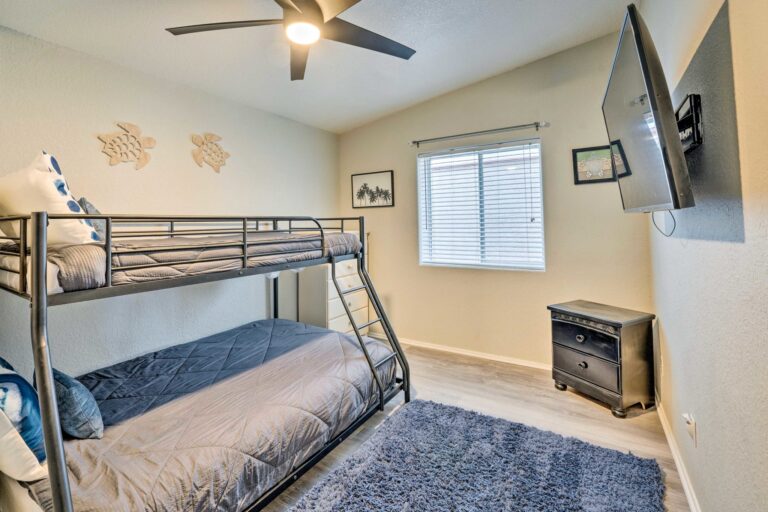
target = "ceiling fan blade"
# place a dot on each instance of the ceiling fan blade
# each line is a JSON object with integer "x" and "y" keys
{"x": 299, "y": 56}
{"x": 205, "y": 27}
{"x": 345, "y": 32}
{"x": 332, "y": 8}
{"x": 288, "y": 4}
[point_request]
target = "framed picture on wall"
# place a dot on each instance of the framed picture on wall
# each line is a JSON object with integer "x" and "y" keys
{"x": 593, "y": 165}
{"x": 373, "y": 189}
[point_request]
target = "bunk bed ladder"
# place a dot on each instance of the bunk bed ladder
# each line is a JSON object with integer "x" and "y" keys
{"x": 389, "y": 332}
{"x": 381, "y": 317}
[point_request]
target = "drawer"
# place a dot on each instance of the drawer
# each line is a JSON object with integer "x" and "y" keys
{"x": 354, "y": 301}
{"x": 592, "y": 369}
{"x": 342, "y": 323}
{"x": 585, "y": 340}
{"x": 345, "y": 268}
{"x": 345, "y": 283}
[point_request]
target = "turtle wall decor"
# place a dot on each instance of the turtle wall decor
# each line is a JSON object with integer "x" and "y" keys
{"x": 209, "y": 150}
{"x": 127, "y": 145}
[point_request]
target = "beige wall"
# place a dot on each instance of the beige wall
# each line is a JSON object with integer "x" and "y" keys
{"x": 712, "y": 296}
{"x": 593, "y": 250}
{"x": 57, "y": 99}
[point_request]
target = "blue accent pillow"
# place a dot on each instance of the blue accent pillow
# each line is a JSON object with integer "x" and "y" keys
{"x": 79, "y": 413}
{"x": 19, "y": 404}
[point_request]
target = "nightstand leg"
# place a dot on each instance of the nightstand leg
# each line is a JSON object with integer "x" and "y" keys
{"x": 619, "y": 412}
{"x": 560, "y": 386}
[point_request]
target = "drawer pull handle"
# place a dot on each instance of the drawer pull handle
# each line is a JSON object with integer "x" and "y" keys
{"x": 583, "y": 365}
{"x": 580, "y": 338}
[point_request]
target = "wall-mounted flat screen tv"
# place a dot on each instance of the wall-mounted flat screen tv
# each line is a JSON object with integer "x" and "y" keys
{"x": 647, "y": 153}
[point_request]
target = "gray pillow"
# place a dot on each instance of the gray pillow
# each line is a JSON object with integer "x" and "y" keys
{"x": 99, "y": 225}
{"x": 79, "y": 413}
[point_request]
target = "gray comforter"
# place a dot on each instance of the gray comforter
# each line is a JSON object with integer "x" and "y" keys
{"x": 82, "y": 267}
{"x": 213, "y": 424}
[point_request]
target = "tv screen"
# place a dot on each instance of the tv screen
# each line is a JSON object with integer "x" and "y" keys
{"x": 647, "y": 153}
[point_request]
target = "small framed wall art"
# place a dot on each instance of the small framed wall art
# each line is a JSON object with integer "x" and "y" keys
{"x": 593, "y": 165}
{"x": 373, "y": 189}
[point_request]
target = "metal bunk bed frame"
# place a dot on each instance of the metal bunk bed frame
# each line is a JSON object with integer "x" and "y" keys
{"x": 32, "y": 242}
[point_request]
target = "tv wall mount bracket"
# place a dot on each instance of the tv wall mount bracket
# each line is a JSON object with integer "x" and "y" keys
{"x": 689, "y": 125}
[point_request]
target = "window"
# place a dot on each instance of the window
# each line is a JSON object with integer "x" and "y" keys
{"x": 482, "y": 207}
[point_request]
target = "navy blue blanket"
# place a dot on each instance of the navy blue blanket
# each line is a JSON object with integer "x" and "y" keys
{"x": 133, "y": 387}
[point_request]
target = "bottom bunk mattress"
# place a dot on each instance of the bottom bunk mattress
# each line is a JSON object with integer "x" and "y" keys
{"x": 214, "y": 424}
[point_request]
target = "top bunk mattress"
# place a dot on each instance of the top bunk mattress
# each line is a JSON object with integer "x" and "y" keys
{"x": 215, "y": 423}
{"x": 83, "y": 267}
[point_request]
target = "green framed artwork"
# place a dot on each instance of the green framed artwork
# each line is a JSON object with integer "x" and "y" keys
{"x": 593, "y": 165}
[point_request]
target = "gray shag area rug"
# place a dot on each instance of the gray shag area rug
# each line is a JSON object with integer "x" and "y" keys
{"x": 433, "y": 457}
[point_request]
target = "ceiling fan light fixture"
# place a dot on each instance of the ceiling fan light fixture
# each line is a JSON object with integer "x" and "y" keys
{"x": 302, "y": 32}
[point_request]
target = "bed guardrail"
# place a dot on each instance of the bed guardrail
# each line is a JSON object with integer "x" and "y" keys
{"x": 236, "y": 233}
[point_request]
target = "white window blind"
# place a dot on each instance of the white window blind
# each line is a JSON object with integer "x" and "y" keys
{"x": 482, "y": 207}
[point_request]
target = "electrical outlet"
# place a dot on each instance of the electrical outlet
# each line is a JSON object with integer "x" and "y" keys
{"x": 690, "y": 426}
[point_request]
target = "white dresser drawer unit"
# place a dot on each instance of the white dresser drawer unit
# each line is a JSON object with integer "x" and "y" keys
{"x": 319, "y": 302}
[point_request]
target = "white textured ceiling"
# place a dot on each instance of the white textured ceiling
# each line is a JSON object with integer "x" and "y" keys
{"x": 458, "y": 42}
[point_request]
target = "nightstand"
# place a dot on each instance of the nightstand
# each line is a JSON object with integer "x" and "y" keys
{"x": 603, "y": 351}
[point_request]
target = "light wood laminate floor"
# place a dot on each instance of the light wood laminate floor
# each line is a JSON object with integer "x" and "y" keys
{"x": 519, "y": 394}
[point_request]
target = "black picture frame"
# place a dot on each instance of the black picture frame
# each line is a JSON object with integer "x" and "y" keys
{"x": 380, "y": 193}
{"x": 580, "y": 180}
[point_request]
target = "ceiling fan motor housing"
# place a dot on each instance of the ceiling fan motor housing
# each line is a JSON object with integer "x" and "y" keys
{"x": 310, "y": 13}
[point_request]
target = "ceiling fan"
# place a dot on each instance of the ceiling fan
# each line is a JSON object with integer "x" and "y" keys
{"x": 305, "y": 22}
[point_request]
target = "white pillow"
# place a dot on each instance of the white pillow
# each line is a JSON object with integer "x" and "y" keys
{"x": 16, "y": 459}
{"x": 41, "y": 187}
{"x": 22, "y": 451}
{"x": 15, "y": 498}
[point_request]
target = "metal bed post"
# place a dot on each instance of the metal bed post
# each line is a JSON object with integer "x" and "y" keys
{"x": 108, "y": 251}
{"x": 275, "y": 286}
{"x": 54, "y": 444}
{"x": 245, "y": 243}
{"x": 23, "y": 255}
{"x": 363, "y": 248}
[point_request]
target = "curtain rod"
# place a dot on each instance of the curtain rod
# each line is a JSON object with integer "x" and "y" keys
{"x": 537, "y": 125}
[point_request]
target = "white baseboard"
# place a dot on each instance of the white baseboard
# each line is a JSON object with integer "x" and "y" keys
{"x": 685, "y": 479}
{"x": 476, "y": 354}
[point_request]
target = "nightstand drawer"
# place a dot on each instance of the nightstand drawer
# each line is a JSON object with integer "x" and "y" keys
{"x": 592, "y": 369}
{"x": 585, "y": 340}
